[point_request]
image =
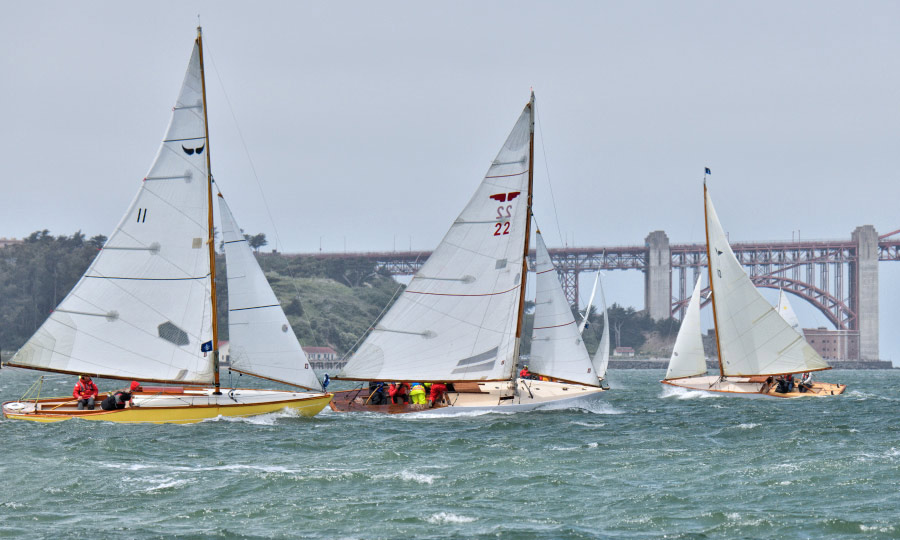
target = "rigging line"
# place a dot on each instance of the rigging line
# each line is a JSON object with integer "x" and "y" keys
{"x": 290, "y": 270}
{"x": 549, "y": 183}
{"x": 246, "y": 149}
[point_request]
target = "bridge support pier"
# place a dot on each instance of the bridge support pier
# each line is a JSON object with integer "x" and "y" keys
{"x": 658, "y": 276}
{"x": 864, "y": 296}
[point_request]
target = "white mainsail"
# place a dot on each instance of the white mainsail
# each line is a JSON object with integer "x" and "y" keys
{"x": 143, "y": 309}
{"x": 787, "y": 311}
{"x": 601, "y": 357}
{"x": 753, "y": 338}
{"x": 261, "y": 340}
{"x": 688, "y": 358}
{"x": 457, "y": 318}
{"x": 557, "y": 350}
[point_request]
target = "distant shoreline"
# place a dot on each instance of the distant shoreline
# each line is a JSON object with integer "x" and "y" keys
{"x": 663, "y": 363}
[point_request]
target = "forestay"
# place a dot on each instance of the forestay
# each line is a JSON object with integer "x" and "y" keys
{"x": 456, "y": 320}
{"x": 753, "y": 338}
{"x": 143, "y": 309}
{"x": 556, "y": 346}
{"x": 261, "y": 340}
{"x": 688, "y": 358}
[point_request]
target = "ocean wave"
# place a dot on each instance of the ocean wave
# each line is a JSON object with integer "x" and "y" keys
{"x": 164, "y": 484}
{"x": 442, "y": 518}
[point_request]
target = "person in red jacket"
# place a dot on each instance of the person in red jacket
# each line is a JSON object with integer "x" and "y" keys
{"x": 399, "y": 392}
{"x": 436, "y": 396}
{"x": 85, "y": 392}
{"x": 525, "y": 374}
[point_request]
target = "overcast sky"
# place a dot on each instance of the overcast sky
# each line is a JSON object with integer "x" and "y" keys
{"x": 369, "y": 124}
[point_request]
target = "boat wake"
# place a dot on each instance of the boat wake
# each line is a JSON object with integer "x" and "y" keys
{"x": 589, "y": 406}
{"x": 684, "y": 393}
{"x": 267, "y": 419}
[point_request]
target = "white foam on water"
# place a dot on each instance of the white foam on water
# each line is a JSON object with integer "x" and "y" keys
{"x": 588, "y": 424}
{"x": 267, "y": 419}
{"x": 446, "y": 517}
{"x": 419, "y": 478}
{"x": 461, "y": 414}
{"x": 683, "y": 393}
{"x": 166, "y": 483}
{"x": 876, "y": 528}
{"x": 747, "y": 426}
{"x": 127, "y": 466}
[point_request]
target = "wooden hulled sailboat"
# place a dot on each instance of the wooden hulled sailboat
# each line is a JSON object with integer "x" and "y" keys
{"x": 459, "y": 320}
{"x": 145, "y": 309}
{"x": 755, "y": 343}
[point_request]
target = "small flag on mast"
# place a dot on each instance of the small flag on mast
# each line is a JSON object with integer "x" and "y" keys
{"x": 706, "y": 171}
{"x": 206, "y": 347}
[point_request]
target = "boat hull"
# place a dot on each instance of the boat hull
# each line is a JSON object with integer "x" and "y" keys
{"x": 185, "y": 406}
{"x": 752, "y": 387}
{"x": 477, "y": 397}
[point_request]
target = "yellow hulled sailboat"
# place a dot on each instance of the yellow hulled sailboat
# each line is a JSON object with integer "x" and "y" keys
{"x": 145, "y": 309}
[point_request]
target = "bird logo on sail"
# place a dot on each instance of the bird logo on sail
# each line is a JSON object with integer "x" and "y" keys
{"x": 192, "y": 151}
{"x": 503, "y": 197}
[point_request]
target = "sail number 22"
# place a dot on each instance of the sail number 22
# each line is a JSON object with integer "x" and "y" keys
{"x": 502, "y": 227}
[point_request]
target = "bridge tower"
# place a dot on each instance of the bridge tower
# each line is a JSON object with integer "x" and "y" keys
{"x": 658, "y": 276}
{"x": 864, "y": 290}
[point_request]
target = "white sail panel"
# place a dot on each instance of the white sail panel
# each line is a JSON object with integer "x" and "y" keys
{"x": 456, "y": 320}
{"x": 557, "y": 350}
{"x": 143, "y": 308}
{"x": 753, "y": 338}
{"x": 787, "y": 311}
{"x": 601, "y": 357}
{"x": 261, "y": 340}
{"x": 688, "y": 358}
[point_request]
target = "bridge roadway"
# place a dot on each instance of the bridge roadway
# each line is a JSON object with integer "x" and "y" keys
{"x": 839, "y": 277}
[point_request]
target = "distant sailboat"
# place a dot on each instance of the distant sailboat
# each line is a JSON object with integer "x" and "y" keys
{"x": 459, "y": 321}
{"x": 145, "y": 309}
{"x": 755, "y": 344}
{"x": 601, "y": 356}
{"x": 787, "y": 311}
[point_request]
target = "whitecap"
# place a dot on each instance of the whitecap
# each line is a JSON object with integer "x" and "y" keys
{"x": 747, "y": 426}
{"x": 442, "y": 518}
{"x": 409, "y": 476}
{"x": 166, "y": 483}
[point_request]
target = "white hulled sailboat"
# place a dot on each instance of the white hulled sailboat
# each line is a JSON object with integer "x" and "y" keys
{"x": 460, "y": 319}
{"x": 755, "y": 343}
{"x": 145, "y": 309}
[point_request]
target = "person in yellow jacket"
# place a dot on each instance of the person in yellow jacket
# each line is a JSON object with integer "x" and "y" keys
{"x": 417, "y": 393}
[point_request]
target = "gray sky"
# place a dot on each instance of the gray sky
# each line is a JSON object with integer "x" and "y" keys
{"x": 370, "y": 123}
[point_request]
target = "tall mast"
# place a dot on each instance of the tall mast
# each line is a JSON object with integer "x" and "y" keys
{"x": 521, "y": 316}
{"x": 709, "y": 267}
{"x": 210, "y": 240}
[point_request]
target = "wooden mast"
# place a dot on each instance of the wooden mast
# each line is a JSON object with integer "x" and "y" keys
{"x": 210, "y": 241}
{"x": 521, "y": 316}
{"x": 709, "y": 265}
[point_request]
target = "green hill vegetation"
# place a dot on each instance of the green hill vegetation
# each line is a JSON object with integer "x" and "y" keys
{"x": 329, "y": 302}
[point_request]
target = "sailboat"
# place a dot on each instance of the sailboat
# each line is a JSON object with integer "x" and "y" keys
{"x": 787, "y": 311}
{"x": 145, "y": 309}
{"x": 755, "y": 344}
{"x": 459, "y": 321}
{"x": 601, "y": 356}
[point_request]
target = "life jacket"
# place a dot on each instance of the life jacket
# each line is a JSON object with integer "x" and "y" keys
{"x": 417, "y": 388}
{"x": 84, "y": 390}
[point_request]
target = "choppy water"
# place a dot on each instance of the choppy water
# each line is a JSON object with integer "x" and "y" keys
{"x": 641, "y": 462}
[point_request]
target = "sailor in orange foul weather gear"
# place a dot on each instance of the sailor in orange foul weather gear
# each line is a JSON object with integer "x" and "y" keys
{"x": 85, "y": 392}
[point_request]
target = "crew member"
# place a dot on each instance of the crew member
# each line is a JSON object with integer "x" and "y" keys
{"x": 85, "y": 392}
{"x": 121, "y": 398}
